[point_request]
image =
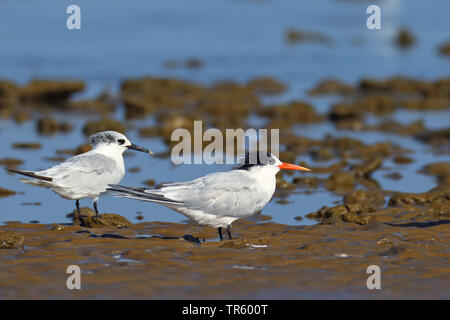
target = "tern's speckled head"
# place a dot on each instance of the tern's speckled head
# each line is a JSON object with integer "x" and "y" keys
{"x": 109, "y": 137}
{"x": 114, "y": 140}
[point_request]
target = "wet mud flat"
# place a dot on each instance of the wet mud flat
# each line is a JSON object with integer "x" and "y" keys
{"x": 265, "y": 260}
{"x": 406, "y": 234}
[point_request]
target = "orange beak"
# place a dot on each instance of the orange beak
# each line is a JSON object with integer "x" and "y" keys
{"x": 289, "y": 166}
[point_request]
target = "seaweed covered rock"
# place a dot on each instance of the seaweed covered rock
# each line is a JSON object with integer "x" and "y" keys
{"x": 441, "y": 170}
{"x": 351, "y": 213}
{"x": 332, "y": 86}
{"x": 145, "y": 95}
{"x": 27, "y": 145}
{"x": 373, "y": 198}
{"x": 366, "y": 168}
{"x": 266, "y": 85}
{"x": 421, "y": 199}
{"x": 9, "y": 96}
{"x": 296, "y": 36}
{"x": 340, "y": 182}
{"x": 102, "y": 104}
{"x": 404, "y": 38}
{"x": 10, "y": 239}
{"x": 106, "y": 220}
{"x": 439, "y": 139}
{"x": 49, "y": 92}
{"x": 88, "y": 218}
{"x": 294, "y": 112}
{"x": 105, "y": 124}
{"x": 10, "y": 162}
{"x": 345, "y": 111}
{"x": 223, "y": 105}
{"x": 5, "y": 192}
{"x": 444, "y": 49}
{"x": 50, "y": 126}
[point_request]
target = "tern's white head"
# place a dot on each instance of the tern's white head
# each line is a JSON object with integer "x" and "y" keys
{"x": 114, "y": 142}
{"x": 265, "y": 161}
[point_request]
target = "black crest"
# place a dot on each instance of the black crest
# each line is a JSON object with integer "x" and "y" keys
{"x": 255, "y": 158}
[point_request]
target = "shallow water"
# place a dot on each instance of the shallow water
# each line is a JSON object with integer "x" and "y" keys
{"x": 236, "y": 40}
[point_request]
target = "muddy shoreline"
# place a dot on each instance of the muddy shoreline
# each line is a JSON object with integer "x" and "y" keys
{"x": 406, "y": 234}
{"x": 157, "y": 260}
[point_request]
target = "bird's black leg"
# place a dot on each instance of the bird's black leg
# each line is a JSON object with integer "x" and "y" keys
{"x": 220, "y": 233}
{"x": 96, "y": 209}
{"x": 229, "y": 232}
{"x": 77, "y": 215}
{"x": 78, "y": 208}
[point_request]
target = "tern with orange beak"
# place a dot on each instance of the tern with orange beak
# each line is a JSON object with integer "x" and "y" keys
{"x": 218, "y": 199}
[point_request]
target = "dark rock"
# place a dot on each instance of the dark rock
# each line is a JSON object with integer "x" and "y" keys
{"x": 294, "y": 36}
{"x": 26, "y": 145}
{"x": 369, "y": 198}
{"x": 393, "y": 176}
{"x": 332, "y": 86}
{"x": 49, "y": 92}
{"x": 404, "y": 38}
{"x": 340, "y": 182}
{"x": 266, "y": 85}
{"x": 10, "y": 239}
{"x": 6, "y": 192}
{"x": 106, "y": 124}
{"x": 106, "y": 220}
{"x": 50, "y": 126}
{"x": 421, "y": 199}
{"x": 365, "y": 169}
{"x": 444, "y": 49}
{"x": 402, "y": 159}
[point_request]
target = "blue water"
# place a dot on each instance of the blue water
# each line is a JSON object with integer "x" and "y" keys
{"x": 237, "y": 40}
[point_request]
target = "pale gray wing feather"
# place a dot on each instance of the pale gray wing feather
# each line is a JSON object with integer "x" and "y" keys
{"x": 231, "y": 194}
{"x": 86, "y": 173}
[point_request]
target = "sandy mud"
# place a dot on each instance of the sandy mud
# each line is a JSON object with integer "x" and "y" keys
{"x": 408, "y": 238}
{"x": 406, "y": 234}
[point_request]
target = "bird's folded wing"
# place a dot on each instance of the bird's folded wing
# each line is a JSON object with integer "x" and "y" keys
{"x": 85, "y": 171}
{"x": 231, "y": 193}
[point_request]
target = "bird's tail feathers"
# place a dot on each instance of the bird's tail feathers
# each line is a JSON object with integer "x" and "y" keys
{"x": 143, "y": 194}
{"x": 37, "y": 179}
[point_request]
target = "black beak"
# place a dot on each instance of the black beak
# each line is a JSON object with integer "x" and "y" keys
{"x": 138, "y": 148}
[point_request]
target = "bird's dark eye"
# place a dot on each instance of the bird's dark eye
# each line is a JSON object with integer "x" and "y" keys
{"x": 121, "y": 141}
